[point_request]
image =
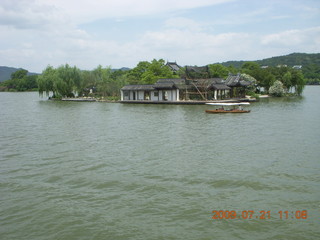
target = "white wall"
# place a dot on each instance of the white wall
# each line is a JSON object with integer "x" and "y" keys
{"x": 140, "y": 95}
{"x": 172, "y": 95}
{"x": 153, "y": 97}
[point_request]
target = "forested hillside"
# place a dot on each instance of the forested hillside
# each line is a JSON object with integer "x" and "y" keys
{"x": 310, "y": 63}
{"x": 5, "y": 72}
{"x": 290, "y": 60}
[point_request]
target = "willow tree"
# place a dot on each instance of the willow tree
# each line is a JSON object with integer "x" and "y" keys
{"x": 286, "y": 80}
{"x": 103, "y": 79}
{"x": 88, "y": 82}
{"x": 298, "y": 81}
{"x": 63, "y": 81}
{"x": 46, "y": 81}
{"x": 68, "y": 81}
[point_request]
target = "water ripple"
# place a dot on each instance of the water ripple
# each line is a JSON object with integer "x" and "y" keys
{"x": 113, "y": 171}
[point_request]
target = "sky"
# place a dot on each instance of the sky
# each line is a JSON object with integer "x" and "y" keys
{"x": 121, "y": 33}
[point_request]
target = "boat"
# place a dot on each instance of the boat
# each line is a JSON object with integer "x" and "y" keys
{"x": 236, "y": 108}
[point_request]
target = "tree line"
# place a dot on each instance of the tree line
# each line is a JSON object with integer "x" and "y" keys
{"x": 20, "y": 81}
{"x": 276, "y": 81}
{"x": 68, "y": 81}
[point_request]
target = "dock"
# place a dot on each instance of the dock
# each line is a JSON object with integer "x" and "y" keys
{"x": 79, "y": 99}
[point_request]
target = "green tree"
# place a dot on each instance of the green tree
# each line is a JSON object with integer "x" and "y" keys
{"x": 18, "y": 80}
{"x": 252, "y": 88}
{"x": 311, "y": 71}
{"x": 20, "y": 74}
{"x": 88, "y": 82}
{"x": 156, "y": 69}
{"x": 218, "y": 71}
{"x": 134, "y": 75}
{"x": 249, "y": 67}
{"x": 118, "y": 81}
{"x": 298, "y": 81}
{"x": 264, "y": 77}
{"x": 232, "y": 69}
{"x": 63, "y": 81}
{"x": 103, "y": 79}
{"x": 68, "y": 81}
{"x": 149, "y": 72}
{"x": 286, "y": 80}
{"x": 46, "y": 81}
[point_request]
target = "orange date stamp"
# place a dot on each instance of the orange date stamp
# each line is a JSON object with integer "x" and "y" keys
{"x": 261, "y": 214}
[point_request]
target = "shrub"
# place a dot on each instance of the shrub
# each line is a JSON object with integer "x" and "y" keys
{"x": 277, "y": 89}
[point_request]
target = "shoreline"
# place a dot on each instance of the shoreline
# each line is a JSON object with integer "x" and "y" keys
{"x": 182, "y": 102}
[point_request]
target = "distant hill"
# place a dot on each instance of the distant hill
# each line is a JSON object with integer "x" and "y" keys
{"x": 5, "y": 72}
{"x": 124, "y": 69}
{"x": 290, "y": 60}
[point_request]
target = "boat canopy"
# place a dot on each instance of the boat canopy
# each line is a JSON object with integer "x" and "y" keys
{"x": 228, "y": 104}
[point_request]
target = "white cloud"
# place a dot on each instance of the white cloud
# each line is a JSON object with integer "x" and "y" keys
{"x": 37, "y": 32}
{"x": 81, "y": 11}
{"x": 307, "y": 11}
{"x": 29, "y": 14}
{"x": 188, "y": 42}
{"x": 192, "y": 44}
{"x": 307, "y": 38}
{"x": 184, "y": 23}
{"x": 41, "y": 14}
{"x": 280, "y": 17}
{"x": 41, "y": 32}
{"x": 197, "y": 47}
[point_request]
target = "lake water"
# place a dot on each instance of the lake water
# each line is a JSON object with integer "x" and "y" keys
{"x": 92, "y": 170}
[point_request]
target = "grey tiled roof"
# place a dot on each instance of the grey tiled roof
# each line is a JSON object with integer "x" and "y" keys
{"x": 235, "y": 81}
{"x": 181, "y": 83}
{"x": 174, "y": 80}
{"x": 138, "y": 87}
{"x": 197, "y": 69}
{"x": 220, "y": 86}
{"x": 170, "y": 83}
{"x": 173, "y": 65}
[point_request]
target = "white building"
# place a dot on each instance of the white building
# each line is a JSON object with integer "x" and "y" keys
{"x": 177, "y": 89}
{"x": 162, "y": 90}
